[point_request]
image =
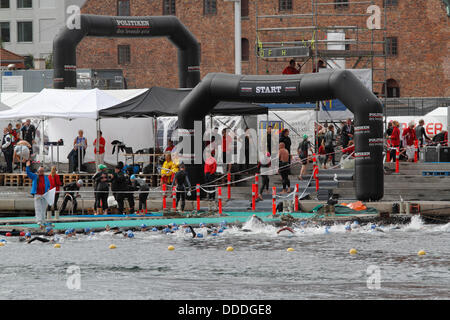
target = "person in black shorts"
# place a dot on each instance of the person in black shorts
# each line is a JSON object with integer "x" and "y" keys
{"x": 302, "y": 150}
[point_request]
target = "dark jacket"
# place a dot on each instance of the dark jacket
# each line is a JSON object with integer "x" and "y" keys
{"x": 119, "y": 182}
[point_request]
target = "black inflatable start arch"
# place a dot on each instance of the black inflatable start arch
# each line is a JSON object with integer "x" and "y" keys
{"x": 342, "y": 85}
{"x": 65, "y": 43}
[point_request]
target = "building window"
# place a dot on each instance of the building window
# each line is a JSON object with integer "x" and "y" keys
{"x": 285, "y": 5}
{"x": 245, "y": 49}
{"x": 390, "y": 3}
{"x": 123, "y": 8}
{"x": 393, "y": 89}
{"x": 21, "y": 4}
{"x": 169, "y": 7}
{"x": 4, "y": 4}
{"x": 209, "y": 7}
{"x": 5, "y": 32}
{"x": 25, "y": 31}
{"x": 338, "y": 4}
{"x": 391, "y": 46}
{"x": 244, "y": 8}
{"x": 124, "y": 54}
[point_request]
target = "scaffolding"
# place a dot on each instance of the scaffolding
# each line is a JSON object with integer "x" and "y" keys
{"x": 335, "y": 32}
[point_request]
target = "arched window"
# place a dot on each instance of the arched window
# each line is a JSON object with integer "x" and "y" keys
{"x": 393, "y": 89}
{"x": 245, "y": 49}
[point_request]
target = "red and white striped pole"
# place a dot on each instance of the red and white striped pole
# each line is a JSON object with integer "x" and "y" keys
{"x": 164, "y": 196}
{"x": 219, "y": 197}
{"x": 253, "y": 197}
{"x": 197, "y": 188}
{"x": 229, "y": 186}
{"x": 397, "y": 160}
{"x": 416, "y": 146}
{"x": 296, "y": 198}
{"x": 257, "y": 184}
{"x": 274, "y": 204}
{"x": 388, "y": 153}
{"x": 174, "y": 199}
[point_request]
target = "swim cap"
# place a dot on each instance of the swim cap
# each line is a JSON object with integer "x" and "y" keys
{"x": 347, "y": 227}
{"x": 80, "y": 182}
{"x": 67, "y": 232}
{"x": 101, "y": 166}
{"x": 130, "y": 234}
{"x": 373, "y": 226}
{"x": 166, "y": 230}
{"x": 199, "y": 235}
{"x": 154, "y": 229}
{"x": 133, "y": 177}
{"x": 28, "y": 234}
{"x": 143, "y": 225}
{"x": 305, "y": 136}
{"x": 201, "y": 224}
{"x": 48, "y": 229}
{"x": 220, "y": 230}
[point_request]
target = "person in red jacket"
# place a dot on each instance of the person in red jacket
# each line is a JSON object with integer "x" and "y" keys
{"x": 291, "y": 69}
{"x": 55, "y": 182}
{"x": 409, "y": 134}
{"x": 210, "y": 171}
{"x": 395, "y": 139}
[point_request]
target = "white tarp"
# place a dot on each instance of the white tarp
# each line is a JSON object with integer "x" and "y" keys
{"x": 67, "y": 104}
{"x": 135, "y": 133}
{"x": 435, "y": 121}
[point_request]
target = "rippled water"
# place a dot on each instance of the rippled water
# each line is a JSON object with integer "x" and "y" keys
{"x": 259, "y": 267}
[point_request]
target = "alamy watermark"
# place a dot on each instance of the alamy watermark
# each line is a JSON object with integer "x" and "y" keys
{"x": 373, "y": 277}
{"x": 227, "y": 147}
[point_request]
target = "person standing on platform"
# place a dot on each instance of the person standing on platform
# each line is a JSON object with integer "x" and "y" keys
{"x": 329, "y": 144}
{"x": 269, "y": 139}
{"x": 29, "y": 132}
{"x": 69, "y": 195}
{"x": 55, "y": 182}
{"x": 421, "y": 133}
{"x": 40, "y": 185}
{"x": 347, "y": 133}
{"x": 167, "y": 170}
{"x": 283, "y": 156}
{"x": 101, "y": 188}
{"x": 182, "y": 184}
{"x": 100, "y": 155}
{"x": 79, "y": 148}
{"x": 138, "y": 184}
{"x": 395, "y": 139}
{"x": 302, "y": 150}
{"x": 409, "y": 136}
{"x": 291, "y": 68}
{"x": 210, "y": 173}
{"x": 8, "y": 149}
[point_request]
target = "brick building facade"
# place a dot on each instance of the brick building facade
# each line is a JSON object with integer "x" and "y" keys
{"x": 418, "y": 64}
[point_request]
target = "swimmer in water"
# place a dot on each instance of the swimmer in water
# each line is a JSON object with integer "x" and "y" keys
{"x": 286, "y": 229}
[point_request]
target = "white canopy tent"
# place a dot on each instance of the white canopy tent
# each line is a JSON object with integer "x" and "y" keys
{"x": 66, "y": 111}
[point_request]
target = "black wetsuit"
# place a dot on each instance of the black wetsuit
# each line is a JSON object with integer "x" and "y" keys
{"x": 70, "y": 196}
{"x": 143, "y": 188}
{"x": 101, "y": 187}
{"x": 181, "y": 180}
{"x": 121, "y": 184}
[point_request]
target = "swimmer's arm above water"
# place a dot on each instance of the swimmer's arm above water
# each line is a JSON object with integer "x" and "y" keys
{"x": 286, "y": 228}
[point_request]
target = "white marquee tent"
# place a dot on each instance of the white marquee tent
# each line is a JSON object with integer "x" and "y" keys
{"x": 61, "y": 113}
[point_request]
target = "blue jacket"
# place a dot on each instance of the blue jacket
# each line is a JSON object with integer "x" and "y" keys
{"x": 35, "y": 178}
